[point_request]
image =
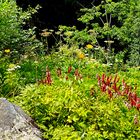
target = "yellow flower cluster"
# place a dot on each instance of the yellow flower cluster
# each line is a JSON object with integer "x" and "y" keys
{"x": 7, "y": 51}
{"x": 81, "y": 55}
{"x": 89, "y": 46}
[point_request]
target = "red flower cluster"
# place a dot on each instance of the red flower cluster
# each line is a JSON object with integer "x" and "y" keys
{"x": 111, "y": 86}
{"x": 48, "y": 79}
{"x": 76, "y": 73}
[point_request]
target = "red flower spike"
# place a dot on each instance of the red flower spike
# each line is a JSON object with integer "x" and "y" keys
{"x": 110, "y": 93}
{"x": 98, "y": 77}
{"x": 103, "y": 88}
{"x": 103, "y": 78}
{"x": 135, "y": 97}
{"x": 127, "y": 90}
{"x": 67, "y": 77}
{"x": 119, "y": 87}
{"x": 130, "y": 96}
{"x": 106, "y": 86}
{"x": 99, "y": 80}
{"x": 48, "y": 79}
{"x": 138, "y": 106}
{"x": 132, "y": 102}
{"x": 119, "y": 93}
{"x": 108, "y": 81}
{"x": 138, "y": 100}
{"x": 110, "y": 78}
{"x": 115, "y": 79}
{"x": 77, "y": 75}
{"x": 69, "y": 69}
{"x": 124, "y": 84}
{"x": 114, "y": 86}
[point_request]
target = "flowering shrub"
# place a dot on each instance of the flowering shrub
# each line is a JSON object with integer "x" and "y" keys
{"x": 65, "y": 109}
{"x": 112, "y": 87}
{"x": 9, "y": 79}
{"x": 14, "y": 39}
{"x": 48, "y": 78}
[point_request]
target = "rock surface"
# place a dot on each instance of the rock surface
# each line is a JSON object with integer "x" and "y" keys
{"x": 15, "y": 124}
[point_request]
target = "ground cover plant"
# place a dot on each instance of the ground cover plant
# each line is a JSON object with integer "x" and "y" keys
{"x": 66, "y": 93}
{"x": 70, "y": 101}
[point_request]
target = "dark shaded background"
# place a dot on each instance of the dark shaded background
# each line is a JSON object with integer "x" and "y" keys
{"x": 55, "y": 12}
{"x": 58, "y": 12}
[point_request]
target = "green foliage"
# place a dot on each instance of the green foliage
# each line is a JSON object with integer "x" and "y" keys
{"x": 12, "y": 35}
{"x": 9, "y": 78}
{"x": 60, "y": 91}
{"x": 109, "y": 25}
{"x": 66, "y": 112}
{"x": 69, "y": 109}
{"x": 16, "y": 43}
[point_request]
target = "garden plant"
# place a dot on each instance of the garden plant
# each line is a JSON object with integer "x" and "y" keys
{"x": 87, "y": 85}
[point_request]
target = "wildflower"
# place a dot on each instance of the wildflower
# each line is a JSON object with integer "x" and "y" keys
{"x": 13, "y": 67}
{"x": 81, "y": 55}
{"x": 89, "y": 46}
{"x": 69, "y": 69}
{"x": 48, "y": 79}
{"x": 67, "y": 77}
{"x": 77, "y": 75}
{"x": 17, "y": 67}
{"x": 7, "y": 51}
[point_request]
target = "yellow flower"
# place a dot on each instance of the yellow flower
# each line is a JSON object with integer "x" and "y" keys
{"x": 7, "y": 50}
{"x": 81, "y": 55}
{"x": 89, "y": 46}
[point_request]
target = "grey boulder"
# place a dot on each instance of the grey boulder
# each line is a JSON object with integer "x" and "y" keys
{"x": 15, "y": 124}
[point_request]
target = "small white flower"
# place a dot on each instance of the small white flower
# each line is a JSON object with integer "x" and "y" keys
{"x": 17, "y": 67}
{"x": 11, "y": 69}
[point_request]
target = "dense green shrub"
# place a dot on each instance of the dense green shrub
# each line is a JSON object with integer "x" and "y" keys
{"x": 16, "y": 42}
{"x": 9, "y": 77}
{"x": 66, "y": 112}
{"x": 12, "y": 34}
{"x": 77, "y": 109}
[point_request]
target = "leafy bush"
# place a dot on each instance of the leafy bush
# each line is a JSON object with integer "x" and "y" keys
{"x": 66, "y": 109}
{"x": 109, "y": 25}
{"x": 12, "y": 34}
{"x": 9, "y": 77}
